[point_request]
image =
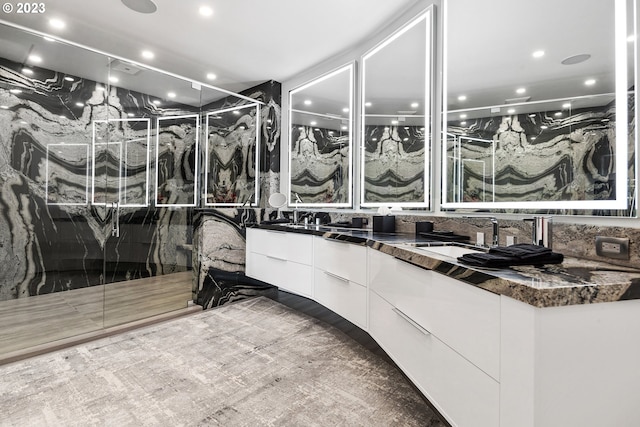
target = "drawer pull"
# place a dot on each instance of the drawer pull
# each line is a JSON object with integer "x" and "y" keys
{"x": 276, "y": 258}
{"x": 411, "y": 321}
{"x": 335, "y": 276}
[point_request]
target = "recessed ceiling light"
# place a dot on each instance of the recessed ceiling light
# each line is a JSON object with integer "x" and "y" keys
{"x": 521, "y": 90}
{"x": 344, "y": 127}
{"x": 462, "y": 98}
{"x": 155, "y": 101}
{"x": 27, "y": 71}
{"x": 414, "y": 105}
{"x": 49, "y": 39}
{"x": 205, "y": 11}
{"x": 171, "y": 94}
{"x": 463, "y": 123}
{"x": 463, "y": 116}
{"x": 368, "y": 104}
{"x": 511, "y": 110}
{"x": 57, "y": 23}
{"x": 394, "y": 122}
{"x": 147, "y": 54}
{"x": 307, "y": 102}
{"x": 558, "y": 114}
{"x": 114, "y": 79}
{"x": 69, "y": 79}
{"x": 130, "y": 114}
{"x": 538, "y": 54}
{"x": 35, "y": 58}
{"x": 142, "y": 6}
{"x": 345, "y": 110}
{"x": 79, "y": 104}
{"x": 566, "y": 105}
{"x": 575, "y": 59}
{"x": 211, "y": 76}
{"x": 313, "y": 123}
{"x": 590, "y": 82}
{"x": 15, "y": 91}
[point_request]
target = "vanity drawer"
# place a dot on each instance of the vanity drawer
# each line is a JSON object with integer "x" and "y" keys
{"x": 287, "y": 275}
{"x": 344, "y": 297}
{"x": 344, "y": 259}
{"x": 465, "y": 318}
{"x": 290, "y": 246}
{"x": 464, "y": 394}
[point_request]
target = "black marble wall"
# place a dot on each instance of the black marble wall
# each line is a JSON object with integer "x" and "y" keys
{"x": 55, "y": 191}
{"x": 219, "y": 236}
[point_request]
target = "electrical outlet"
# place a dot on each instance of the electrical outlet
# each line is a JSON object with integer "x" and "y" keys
{"x": 612, "y": 247}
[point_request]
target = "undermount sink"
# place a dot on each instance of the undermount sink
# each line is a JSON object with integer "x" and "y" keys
{"x": 450, "y": 249}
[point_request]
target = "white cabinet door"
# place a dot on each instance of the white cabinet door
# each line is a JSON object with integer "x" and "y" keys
{"x": 463, "y": 317}
{"x": 460, "y": 391}
{"x": 345, "y": 259}
{"x": 346, "y": 298}
{"x": 281, "y": 259}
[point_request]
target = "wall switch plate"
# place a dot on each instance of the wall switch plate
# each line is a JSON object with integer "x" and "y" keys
{"x": 612, "y": 247}
{"x": 511, "y": 240}
{"x": 480, "y": 238}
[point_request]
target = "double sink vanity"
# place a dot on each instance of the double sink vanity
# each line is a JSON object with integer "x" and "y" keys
{"x": 523, "y": 346}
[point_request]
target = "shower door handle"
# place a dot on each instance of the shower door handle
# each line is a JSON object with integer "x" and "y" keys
{"x": 115, "y": 219}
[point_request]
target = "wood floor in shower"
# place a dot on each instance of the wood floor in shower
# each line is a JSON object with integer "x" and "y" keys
{"x": 34, "y": 324}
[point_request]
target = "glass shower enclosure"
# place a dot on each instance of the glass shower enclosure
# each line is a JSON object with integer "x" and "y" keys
{"x": 100, "y": 173}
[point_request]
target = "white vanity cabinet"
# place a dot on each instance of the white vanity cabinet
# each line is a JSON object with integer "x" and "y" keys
{"x": 281, "y": 259}
{"x": 341, "y": 278}
{"x": 443, "y": 334}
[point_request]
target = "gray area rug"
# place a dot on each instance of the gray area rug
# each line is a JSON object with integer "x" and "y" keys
{"x": 251, "y": 363}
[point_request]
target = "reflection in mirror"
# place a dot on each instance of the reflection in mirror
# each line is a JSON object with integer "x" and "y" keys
{"x": 320, "y": 152}
{"x": 396, "y": 84}
{"x": 61, "y": 159}
{"x": 549, "y": 126}
{"x": 120, "y": 159}
{"x": 231, "y": 156}
{"x": 177, "y": 160}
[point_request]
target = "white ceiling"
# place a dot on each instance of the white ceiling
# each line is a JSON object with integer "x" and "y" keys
{"x": 245, "y": 42}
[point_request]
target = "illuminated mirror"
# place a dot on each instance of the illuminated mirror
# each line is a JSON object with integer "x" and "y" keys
{"x": 537, "y": 113}
{"x": 320, "y": 152}
{"x": 396, "y": 95}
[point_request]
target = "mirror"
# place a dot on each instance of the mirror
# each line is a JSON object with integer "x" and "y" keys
{"x": 396, "y": 95}
{"x": 538, "y": 114}
{"x": 320, "y": 150}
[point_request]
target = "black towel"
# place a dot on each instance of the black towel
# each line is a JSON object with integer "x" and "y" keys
{"x": 507, "y": 256}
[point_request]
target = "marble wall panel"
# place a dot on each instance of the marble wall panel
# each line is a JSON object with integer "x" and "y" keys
{"x": 49, "y": 239}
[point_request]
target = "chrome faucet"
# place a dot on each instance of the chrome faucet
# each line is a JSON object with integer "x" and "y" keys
{"x": 495, "y": 238}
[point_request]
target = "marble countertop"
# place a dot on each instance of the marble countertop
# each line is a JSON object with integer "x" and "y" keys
{"x": 575, "y": 281}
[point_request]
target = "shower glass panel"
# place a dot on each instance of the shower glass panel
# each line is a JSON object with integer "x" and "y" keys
{"x": 52, "y": 235}
{"x": 147, "y": 252}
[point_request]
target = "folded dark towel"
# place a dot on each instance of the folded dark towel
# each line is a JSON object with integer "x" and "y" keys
{"x": 521, "y": 250}
{"x": 521, "y": 254}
